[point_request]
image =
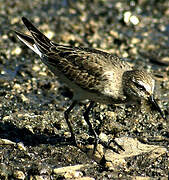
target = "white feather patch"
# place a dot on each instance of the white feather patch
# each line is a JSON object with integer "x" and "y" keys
{"x": 31, "y": 46}
{"x": 146, "y": 86}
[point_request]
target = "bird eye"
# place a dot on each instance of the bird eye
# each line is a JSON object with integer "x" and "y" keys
{"x": 139, "y": 86}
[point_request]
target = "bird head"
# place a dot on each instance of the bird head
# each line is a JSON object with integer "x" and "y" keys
{"x": 139, "y": 84}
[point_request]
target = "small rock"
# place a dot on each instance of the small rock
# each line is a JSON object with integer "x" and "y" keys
{"x": 19, "y": 175}
{"x": 39, "y": 178}
{"x": 4, "y": 37}
{"x": 17, "y": 86}
{"x": 134, "y": 50}
{"x": 36, "y": 68}
{"x": 29, "y": 128}
{"x": 135, "y": 40}
{"x": 99, "y": 153}
{"x": 134, "y": 20}
{"x": 16, "y": 51}
{"x": 165, "y": 59}
{"x": 127, "y": 16}
{"x": 15, "y": 20}
{"x": 24, "y": 98}
{"x": 6, "y": 118}
{"x": 103, "y": 137}
{"x": 125, "y": 54}
{"x": 21, "y": 146}
{"x": 42, "y": 73}
{"x": 6, "y": 142}
{"x": 69, "y": 168}
{"x": 86, "y": 178}
{"x": 140, "y": 178}
{"x": 114, "y": 34}
{"x": 73, "y": 174}
{"x": 132, "y": 148}
{"x": 49, "y": 34}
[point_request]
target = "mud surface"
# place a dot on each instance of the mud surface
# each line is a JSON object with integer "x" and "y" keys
{"x": 34, "y": 137}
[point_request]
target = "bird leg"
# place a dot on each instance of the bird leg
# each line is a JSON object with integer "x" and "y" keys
{"x": 66, "y": 114}
{"x": 97, "y": 139}
{"x": 86, "y": 117}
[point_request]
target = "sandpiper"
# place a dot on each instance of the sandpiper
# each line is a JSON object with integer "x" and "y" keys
{"x": 91, "y": 74}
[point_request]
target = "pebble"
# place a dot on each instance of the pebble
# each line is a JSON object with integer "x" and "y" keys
{"x": 15, "y": 20}
{"x": 39, "y": 177}
{"x": 42, "y": 73}
{"x": 36, "y": 68}
{"x": 19, "y": 175}
{"x": 16, "y": 51}
{"x": 24, "y": 98}
{"x": 129, "y": 18}
{"x": 135, "y": 40}
{"x": 134, "y": 20}
{"x": 21, "y": 146}
{"x": 165, "y": 59}
{"x": 17, "y": 86}
{"x": 86, "y": 178}
{"x": 7, "y": 142}
{"x": 103, "y": 137}
{"x": 6, "y": 118}
{"x": 29, "y": 128}
{"x": 69, "y": 168}
{"x": 49, "y": 34}
{"x": 73, "y": 174}
{"x": 114, "y": 34}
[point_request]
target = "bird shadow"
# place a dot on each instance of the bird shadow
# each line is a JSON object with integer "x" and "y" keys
{"x": 15, "y": 134}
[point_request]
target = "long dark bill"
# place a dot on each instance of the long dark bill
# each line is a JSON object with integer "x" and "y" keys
{"x": 156, "y": 106}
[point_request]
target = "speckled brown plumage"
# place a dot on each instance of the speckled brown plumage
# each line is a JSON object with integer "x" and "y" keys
{"x": 91, "y": 74}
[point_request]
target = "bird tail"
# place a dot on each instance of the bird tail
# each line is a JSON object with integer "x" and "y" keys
{"x": 38, "y": 42}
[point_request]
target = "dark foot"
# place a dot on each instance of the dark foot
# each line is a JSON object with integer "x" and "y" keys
{"x": 106, "y": 145}
{"x": 119, "y": 146}
{"x": 73, "y": 141}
